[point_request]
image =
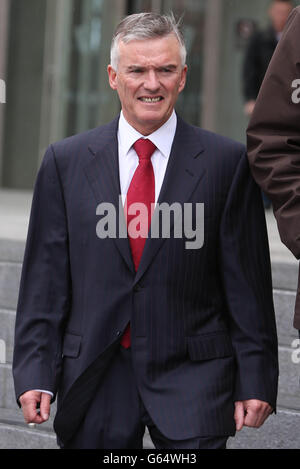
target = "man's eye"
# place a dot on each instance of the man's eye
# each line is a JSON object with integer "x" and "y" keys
{"x": 166, "y": 71}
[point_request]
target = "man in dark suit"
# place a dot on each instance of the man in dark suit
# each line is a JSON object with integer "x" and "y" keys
{"x": 260, "y": 50}
{"x": 159, "y": 331}
{"x": 258, "y": 55}
{"x": 274, "y": 138}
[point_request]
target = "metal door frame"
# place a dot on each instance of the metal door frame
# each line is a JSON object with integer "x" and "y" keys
{"x": 4, "y": 32}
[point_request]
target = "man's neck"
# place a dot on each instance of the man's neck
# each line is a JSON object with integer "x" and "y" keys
{"x": 146, "y": 131}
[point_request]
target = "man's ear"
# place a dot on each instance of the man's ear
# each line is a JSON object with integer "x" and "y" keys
{"x": 112, "y": 77}
{"x": 183, "y": 79}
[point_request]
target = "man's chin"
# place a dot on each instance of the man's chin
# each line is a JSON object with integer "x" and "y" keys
{"x": 152, "y": 120}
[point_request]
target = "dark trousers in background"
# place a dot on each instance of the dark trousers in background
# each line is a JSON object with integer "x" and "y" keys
{"x": 122, "y": 424}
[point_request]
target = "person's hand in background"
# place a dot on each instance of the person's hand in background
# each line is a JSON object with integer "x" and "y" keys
{"x": 249, "y": 107}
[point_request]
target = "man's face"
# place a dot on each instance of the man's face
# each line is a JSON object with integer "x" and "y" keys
{"x": 279, "y": 13}
{"x": 148, "y": 81}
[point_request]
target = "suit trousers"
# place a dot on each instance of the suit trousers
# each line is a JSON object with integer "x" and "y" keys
{"x": 121, "y": 423}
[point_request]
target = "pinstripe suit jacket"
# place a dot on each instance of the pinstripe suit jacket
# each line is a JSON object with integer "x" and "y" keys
{"x": 202, "y": 321}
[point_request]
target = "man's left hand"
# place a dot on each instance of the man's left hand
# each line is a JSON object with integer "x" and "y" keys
{"x": 251, "y": 413}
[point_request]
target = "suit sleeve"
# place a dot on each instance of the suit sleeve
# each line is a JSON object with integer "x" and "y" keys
{"x": 247, "y": 281}
{"x": 45, "y": 290}
{"x": 274, "y": 135}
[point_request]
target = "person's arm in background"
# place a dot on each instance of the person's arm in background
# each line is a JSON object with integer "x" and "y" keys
{"x": 273, "y": 136}
{"x": 250, "y": 77}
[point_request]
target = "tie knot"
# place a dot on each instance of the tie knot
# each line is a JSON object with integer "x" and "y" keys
{"x": 144, "y": 148}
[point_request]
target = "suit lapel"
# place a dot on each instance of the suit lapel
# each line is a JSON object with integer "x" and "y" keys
{"x": 184, "y": 171}
{"x": 103, "y": 175}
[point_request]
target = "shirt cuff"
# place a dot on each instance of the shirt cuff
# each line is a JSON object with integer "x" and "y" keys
{"x": 46, "y": 392}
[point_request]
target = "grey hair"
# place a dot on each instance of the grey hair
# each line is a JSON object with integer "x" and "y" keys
{"x": 141, "y": 26}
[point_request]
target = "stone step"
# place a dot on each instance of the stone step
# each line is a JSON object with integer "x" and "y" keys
{"x": 15, "y": 417}
{"x": 284, "y": 302}
{"x": 18, "y": 437}
{"x": 12, "y": 250}
{"x": 10, "y": 275}
{"x": 9, "y": 410}
{"x": 285, "y": 275}
{"x": 280, "y": 431}
{"x": 287, "y": 334}
{"x": 7, "y": 328}
{"x": 7, "y": 392}
{"x": 21, "y": 437}
{"x": 288, "y": 386}
{"x": 288, "y": 395}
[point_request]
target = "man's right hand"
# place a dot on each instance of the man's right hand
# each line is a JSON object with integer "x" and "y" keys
{"x": 29, "y": 402}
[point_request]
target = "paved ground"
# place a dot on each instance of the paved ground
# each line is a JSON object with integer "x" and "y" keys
{"x": 279, "y": 253}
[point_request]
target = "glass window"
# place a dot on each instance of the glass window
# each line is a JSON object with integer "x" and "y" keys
{"x": 57, "y": 82}
{"x": 56, "y": 71}
{"x": 24, "y": 90}
{"x": 193, "y": 16}
{"x": 87, "y": 95}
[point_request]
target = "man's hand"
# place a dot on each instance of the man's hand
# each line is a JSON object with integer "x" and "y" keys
{"x": 251, "y": 413}
{"x": 29, "y": 402}
{"x": 249, "y": 107}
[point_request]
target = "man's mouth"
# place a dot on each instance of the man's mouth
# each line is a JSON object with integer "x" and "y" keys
{"x": 150, "y": 100}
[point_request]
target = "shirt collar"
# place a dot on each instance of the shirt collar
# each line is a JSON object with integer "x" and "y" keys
{"x": 162, "y": 137}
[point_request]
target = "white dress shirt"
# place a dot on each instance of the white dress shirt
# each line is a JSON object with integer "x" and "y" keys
{"x": 128, "y": 160}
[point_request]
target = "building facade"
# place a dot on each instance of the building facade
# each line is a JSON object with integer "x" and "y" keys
{"x": 53, "y": 60}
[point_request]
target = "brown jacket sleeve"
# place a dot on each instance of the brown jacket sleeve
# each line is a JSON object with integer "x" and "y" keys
{"x": 274, "y": 135}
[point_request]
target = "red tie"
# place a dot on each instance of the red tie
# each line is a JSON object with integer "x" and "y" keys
{"x": 142, "y": 191}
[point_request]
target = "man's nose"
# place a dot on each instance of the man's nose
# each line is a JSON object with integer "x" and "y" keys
{"x": 151, "y": 81}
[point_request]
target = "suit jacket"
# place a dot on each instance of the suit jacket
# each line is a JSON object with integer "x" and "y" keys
{"x": 274, "y": 139}
{"x": 257, "y": 58}
{"x": 203, "y": 330}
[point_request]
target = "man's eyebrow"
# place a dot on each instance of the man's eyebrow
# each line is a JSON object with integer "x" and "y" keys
{"x": 135, "y": 67}
{"x": 161, "y": 67}
{"x": 170, "y": 67}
